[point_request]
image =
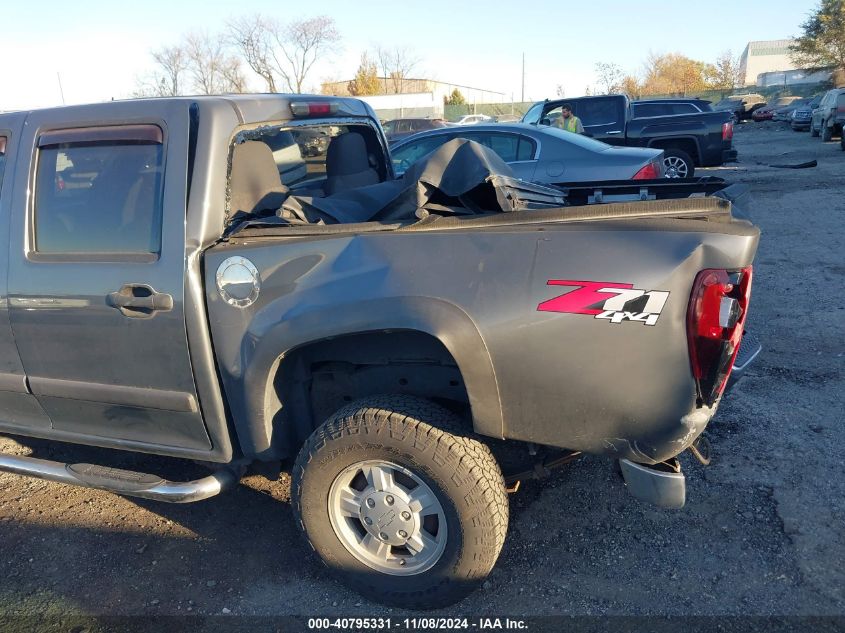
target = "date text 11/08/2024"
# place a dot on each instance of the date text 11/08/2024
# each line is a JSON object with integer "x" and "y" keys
{"x": 482, "y": 624}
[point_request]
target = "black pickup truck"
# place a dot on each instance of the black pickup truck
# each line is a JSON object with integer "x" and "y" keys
{"x": 703, "y": 139}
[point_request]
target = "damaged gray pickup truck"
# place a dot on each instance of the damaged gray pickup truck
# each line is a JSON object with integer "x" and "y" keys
{"x": 237, "y": 280}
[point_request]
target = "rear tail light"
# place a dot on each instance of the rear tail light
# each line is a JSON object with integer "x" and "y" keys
{"x": 652, "y": 171}
{"x": 727, "y": 131}
{"x": 715, "y": 322}
{"x": 312, "y": 108}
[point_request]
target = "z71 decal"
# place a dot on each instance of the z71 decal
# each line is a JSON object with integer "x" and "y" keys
{"x": 607, "y": 300}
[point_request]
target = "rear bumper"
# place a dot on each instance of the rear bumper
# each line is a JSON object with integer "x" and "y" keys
{"x": 663, "y": 485}
{"x": 749, "y": 349}
{"x": 729, "y": 155}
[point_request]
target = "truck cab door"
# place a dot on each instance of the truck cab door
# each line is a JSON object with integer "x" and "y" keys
{"x": 603, "y": 118}
{"x": 97, "y": 274}
{"x": 19, "y": 409}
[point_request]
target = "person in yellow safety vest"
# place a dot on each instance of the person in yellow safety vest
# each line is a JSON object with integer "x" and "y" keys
{"x": 568, "y": 121}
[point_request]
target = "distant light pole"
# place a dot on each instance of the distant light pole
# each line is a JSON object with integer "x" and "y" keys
{"x": 522, "y": 97}
{"x": 61, "y": 90}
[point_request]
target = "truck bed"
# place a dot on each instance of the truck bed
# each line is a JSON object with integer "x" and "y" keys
{"x": 478, "y": 284}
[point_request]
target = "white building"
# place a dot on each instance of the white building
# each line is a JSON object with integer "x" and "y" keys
{"x": 764, "y": 57}
{"x": 411, "y": 105}
{"x": 416, "y": 97}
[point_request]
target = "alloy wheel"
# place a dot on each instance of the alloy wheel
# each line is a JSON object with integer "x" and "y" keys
{"x": 676, "y": 167}
{"x": 388, "y": 518}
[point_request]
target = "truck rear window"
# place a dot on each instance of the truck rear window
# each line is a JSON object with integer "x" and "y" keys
{"x": 306, "y": 160}
{"x": 646, "y": 110}
{"x": 594, "y": 111}
{"x": 99, "y": 196}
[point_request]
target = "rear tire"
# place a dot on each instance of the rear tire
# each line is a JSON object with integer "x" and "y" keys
{"x": 678, "y": 164}
{"x": 355, "y": 488}
{"x": 827, "y": 133}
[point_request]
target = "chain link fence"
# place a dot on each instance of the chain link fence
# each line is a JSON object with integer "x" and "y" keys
{"x": 513, "y": 111}
{"x": 495, "y": 110}
{"x": 769, "y": 92}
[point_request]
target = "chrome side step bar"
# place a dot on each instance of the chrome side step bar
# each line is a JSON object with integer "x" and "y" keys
{"x": 124, "y": 482}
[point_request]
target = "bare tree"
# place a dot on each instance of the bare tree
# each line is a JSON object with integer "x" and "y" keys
{"x": 283, "y": 54}
{"x": 208, "y": 63}
{"x": 252, "y": 37}
{"x": 396, "y": 65}
{"x": 302, "y": 43}
{"x": 609, "y": 77}
{"x": 173, "y": 63}
{"x": 199, "y": 64}
{"x": 233, "y": 77}
{"x": 167, "y": 80}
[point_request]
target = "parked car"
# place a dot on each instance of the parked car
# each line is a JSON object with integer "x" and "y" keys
{"x": 784, "y": 113}
{"x": 400, "y": 128}
{"x": 768, "y": 111}
{"x": 312, "y": 143}
{"x": 734, "y": 106}
{"x": 802, "y": 116}
{"x": 540, "y": 153}
{"x": 166, "y": 309}
{"x": 839, "y": 119}
{"x": 473, "y": 119}
{"x": 687, "y": 140}
{"x": 645, "y": 108}
{"x": 824, "y": 116}
{"x": 742, "y": 106}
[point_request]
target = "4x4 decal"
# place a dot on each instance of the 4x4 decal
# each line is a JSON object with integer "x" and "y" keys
{"x": 607, "y": 300}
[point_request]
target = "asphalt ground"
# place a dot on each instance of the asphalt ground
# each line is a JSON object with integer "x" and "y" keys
{"x": 761, "y": 534}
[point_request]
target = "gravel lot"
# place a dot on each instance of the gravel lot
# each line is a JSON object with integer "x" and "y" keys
{"x": 762, "y": 532}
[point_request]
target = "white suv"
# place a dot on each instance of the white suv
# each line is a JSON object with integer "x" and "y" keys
{"x": 824, "y": 117}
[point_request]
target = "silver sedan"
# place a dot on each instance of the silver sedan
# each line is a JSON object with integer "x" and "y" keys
{"x": 545, "y": 155}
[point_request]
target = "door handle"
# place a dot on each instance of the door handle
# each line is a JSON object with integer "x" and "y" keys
{"x": 139, "y": 301}
{"x": 614, "y": 132}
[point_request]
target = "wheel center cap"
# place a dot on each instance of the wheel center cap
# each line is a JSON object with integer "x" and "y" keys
{"x": 387, "y": 517}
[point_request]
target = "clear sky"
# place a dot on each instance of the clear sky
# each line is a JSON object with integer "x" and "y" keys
{"x": 99, "y": 48}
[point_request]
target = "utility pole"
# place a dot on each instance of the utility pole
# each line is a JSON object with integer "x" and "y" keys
{"x": 523, "y": 77}
{"x": 61, "y": 90}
